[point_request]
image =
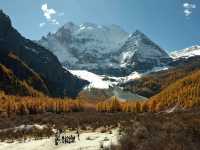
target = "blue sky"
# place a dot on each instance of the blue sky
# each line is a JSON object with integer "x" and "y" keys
{"x": 169, "y": 23}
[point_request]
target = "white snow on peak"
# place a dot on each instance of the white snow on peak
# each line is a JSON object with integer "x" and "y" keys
{"x": 87, "y": 38}
{"x": 125, "y": 57}
{"x": 92, "y": 47}
{"x": 87, "y": 26}
{"x": 130, "y": 35}
{"x": 82, "y": 28}
{"x": 186, "y": 53}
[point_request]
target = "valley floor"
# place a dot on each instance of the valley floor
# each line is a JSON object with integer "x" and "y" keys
{"x": 174, "y": 130}
{"x": 88, "y": 141}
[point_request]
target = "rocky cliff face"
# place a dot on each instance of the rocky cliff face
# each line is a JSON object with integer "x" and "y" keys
{"x": 58, "y": 81}
{"x": 141, "y": 54}
{"x": 104, "y": 49}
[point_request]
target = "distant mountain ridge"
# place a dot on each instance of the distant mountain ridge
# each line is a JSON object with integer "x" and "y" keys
{"x": 53, "y": 78}
{"x": 105, "y": 50}
{"x": 186, "y": 53}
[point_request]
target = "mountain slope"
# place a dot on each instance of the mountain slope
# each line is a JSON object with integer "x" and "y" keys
{"x": 12, "y": 85}
{"x": 58, "y": 81}
{"x": 184, "y": 92}
{"x": 13, "y": 69}
{"x": 107, "y": 50}
{"x": 151, "y": 84}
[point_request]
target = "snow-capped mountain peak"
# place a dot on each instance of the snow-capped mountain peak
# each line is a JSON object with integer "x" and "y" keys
{"x": 104, "y": 49}
{"x": 140, "y": 49}
{"x": 186, "y": 53}
{"x": 88, "y": 25}
{"x": 138, "y": 34}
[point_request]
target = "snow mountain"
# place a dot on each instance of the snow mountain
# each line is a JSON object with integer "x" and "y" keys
{"x": 186, "y": 53}
{"x": 104, "y": 50}
{"x": 139, "y": 53}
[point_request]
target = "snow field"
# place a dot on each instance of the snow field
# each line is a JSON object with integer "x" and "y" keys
{"x": 88, "y": 141}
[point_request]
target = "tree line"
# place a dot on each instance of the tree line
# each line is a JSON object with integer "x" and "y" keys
{"x": 184, "y": 93}
{"x": 16, "y": 105}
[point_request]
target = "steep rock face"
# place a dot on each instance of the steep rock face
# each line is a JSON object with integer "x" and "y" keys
{"x": 104, "y": 49}
{"x": 58, "y": 81}
{"x": 140, "y": 53}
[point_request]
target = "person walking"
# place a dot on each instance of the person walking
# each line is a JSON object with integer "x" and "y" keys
{"x": 78, "y": 134}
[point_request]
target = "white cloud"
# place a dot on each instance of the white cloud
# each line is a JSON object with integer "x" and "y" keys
{"x": 55, "y": 22}
{"x": 188, "y": 8}
{"x": 42, "y": 24}
{"x": 50, "y": 15}
{"x": 187, "y": 12}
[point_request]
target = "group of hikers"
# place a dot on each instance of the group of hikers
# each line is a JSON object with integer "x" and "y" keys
{"x": 60, "y": 137}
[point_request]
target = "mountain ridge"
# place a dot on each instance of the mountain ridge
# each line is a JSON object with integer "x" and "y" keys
{"x": 186, "y": 52}
{"x": 100, "y": 49}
